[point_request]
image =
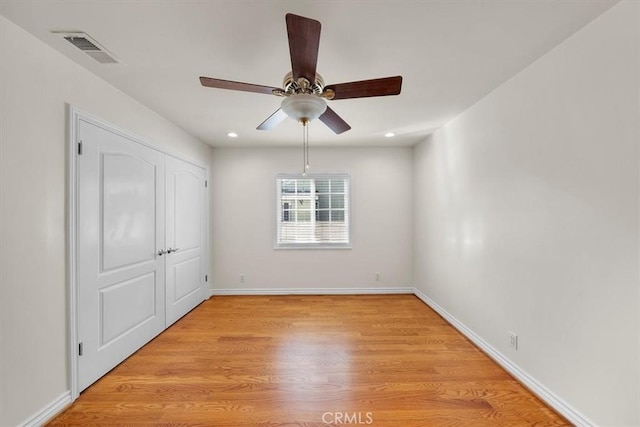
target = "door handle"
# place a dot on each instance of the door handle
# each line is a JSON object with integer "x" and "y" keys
{"x": 172, "y": 250}
{"x": 161, "y": 252}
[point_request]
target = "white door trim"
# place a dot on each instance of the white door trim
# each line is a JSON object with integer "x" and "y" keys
{"x": 72, "y": 282}
{"x": 73, "y": 116}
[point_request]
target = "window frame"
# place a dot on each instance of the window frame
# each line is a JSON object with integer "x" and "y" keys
{"x": 347, "y": 212}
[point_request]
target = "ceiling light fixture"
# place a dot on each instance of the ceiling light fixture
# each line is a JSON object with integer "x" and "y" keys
{"x": 389, "y": 135}
{"x": 303, "y": 108}
{"x": 232, "y": 134}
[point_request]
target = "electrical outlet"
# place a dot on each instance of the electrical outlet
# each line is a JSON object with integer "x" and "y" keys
{"x": 377, "y": 277}
{"x": 513, "y": 340}
{"x": 242, "y": 278}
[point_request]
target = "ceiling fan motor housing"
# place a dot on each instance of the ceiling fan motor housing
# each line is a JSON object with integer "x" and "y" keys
{"x": 302, "y": 85}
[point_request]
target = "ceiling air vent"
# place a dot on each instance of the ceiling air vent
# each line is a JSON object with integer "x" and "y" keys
{"x": 89, "y": 46}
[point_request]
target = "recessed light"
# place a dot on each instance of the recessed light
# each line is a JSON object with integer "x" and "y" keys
{"x": 232, "y": 134}
{"x": 389, "y": 135}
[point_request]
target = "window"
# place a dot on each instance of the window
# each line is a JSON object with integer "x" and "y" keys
{"x": 313, "y": 211}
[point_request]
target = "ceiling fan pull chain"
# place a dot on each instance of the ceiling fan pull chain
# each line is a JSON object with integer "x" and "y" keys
{"x": 304, "y": 149}
{"x": 306, "y": 166}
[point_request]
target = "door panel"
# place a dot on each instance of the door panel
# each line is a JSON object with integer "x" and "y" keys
{"x": 121, "y": 279}
{"x": 128, "y": 219}
{"x": 186, "y": 211}
{"x": 187, "y": 277}
{"x": 125, "y": 306}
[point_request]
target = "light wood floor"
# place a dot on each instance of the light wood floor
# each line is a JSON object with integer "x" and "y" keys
{"x": 381, "y": 360}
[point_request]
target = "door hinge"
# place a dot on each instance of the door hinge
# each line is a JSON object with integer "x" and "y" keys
{"x": 80, "y": 349}
{"x": 80, "y": 148}
{"x": 206, "y": 278}
{"x": 205, "y": 183}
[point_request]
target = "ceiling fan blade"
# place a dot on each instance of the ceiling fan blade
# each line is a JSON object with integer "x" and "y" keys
{"x": 228, "y": 84}
{"x": 366, "y": 88}
{"x": 334, "y": 121}
{"x": 273, "y": 120}
{"x": 304, "y": 42}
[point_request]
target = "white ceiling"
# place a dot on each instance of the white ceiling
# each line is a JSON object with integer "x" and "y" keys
{"x": 450, "y": 53}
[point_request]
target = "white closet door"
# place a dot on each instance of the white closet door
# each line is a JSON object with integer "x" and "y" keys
{"x": 121, "y": 289}
{"x": 185, "y": 215}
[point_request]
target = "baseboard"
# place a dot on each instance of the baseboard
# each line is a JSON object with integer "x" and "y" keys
{"x": 563, "y": 408}
{"x": 312, "y": 291}
{"x": 49, "y": 411}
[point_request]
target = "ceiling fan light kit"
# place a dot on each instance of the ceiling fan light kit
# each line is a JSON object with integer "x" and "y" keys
{"x": 303, "y": 107}
{"x": 304, "y": 90}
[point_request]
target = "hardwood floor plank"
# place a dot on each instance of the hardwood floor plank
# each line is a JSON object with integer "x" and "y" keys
{"x": 309, "y": 361}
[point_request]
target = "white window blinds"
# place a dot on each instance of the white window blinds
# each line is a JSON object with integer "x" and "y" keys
{"x": 313, "y": 211}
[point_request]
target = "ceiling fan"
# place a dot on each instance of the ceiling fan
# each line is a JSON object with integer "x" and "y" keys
{"x": 304, "y": 90}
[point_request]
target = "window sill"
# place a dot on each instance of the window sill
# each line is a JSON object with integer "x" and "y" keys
{"x": 320, "y": 246}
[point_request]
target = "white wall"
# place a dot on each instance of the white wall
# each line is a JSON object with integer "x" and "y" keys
{"x": 243, "y": 220}
{"x": 526, "y": 218}
{"x": 35, "y": 84}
